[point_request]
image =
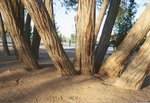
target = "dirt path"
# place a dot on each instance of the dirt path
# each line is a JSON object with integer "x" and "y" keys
{"x": 18, "y": 85}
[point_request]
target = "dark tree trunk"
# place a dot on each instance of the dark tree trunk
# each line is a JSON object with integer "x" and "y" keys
{"x": 106, "y": 34}
{"x": 47, "y": 32}
{"x": 35, "y": 44}
{"x": 4, "y": 37}
{"x": 115, "y": 63}
{"x": 101, "y": 17}
{"x": 21, "y": 46}
{"x": 27, "y": 32}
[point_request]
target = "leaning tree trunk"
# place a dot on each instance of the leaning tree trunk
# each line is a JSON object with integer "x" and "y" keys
{"x": 35, "y": 44}
{"x": 114, "y": 64}
{"x": 49, "y": 7}
{"x": 21, "y": 16}
{"x": 20, "y": 44}
{"x": 101, "y": 17}
{"x": 87, "y": 27}
{"x": 4, "y": 37}
{"x": 134, "y": 75}
{"x": 47, "y": 32}
{"x": 106, "y": 34}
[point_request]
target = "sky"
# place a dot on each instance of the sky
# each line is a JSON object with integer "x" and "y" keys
{"x": 65, "y": 21}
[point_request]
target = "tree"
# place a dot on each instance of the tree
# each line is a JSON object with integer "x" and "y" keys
{"x": 4, "y": 37}
{"x": 137, "y": 70}
{"x": 106, "y": 34}
{"x": 124, "y": 21}
{"x": 115, "y": 63}
{"x": 21, "y": 46}
{"x": 86, "y": 17}
{"x": 48, "y": 33}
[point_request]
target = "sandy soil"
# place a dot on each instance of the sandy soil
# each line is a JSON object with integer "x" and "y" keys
{"x": 19, "y": 85}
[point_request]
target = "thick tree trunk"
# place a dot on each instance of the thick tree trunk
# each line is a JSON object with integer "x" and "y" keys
{"x": 101, "y": 17}
{"x": 106, "y": 34}
{"x": 47, "y": 32}
{"x": 134, "y": 75}
{"x": 4, "y": 37}
{"x": 20, "y": 44}
{"x": 87, "y": 30}
{"x": 35, "y": 44}
{"x": 114, "y": 64}
{"x": 27, "y": 32}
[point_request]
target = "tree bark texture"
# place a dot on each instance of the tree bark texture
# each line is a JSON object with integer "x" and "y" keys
{"x": 20, "y": 44}
{"x": 49, "y": 7}
{"x": 27, "y": 32}
{"x": 137, "y": 70}
{"x": 115, "y": 63}
{"x": 77, "y": 58}
{"x": 87, "y": 30}
{"x": 47, "y": 32}
{"x": 4, "y": 37}
{"x": 35, "y": 44}
{"x": 106, "y": 34}
{"x": 101, "y": 17}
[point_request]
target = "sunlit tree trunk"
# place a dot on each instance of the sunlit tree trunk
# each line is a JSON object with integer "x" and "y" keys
{"x": 49, "y": 7}
{"x": 101, "y": 17}
{"x": 86, "y": 19}
{"x": 138, "y": 69}
{"x": 77, "y": 58}
{"x": 4, "y": 37}
{"x": 35, "y": 44}
{"x": 21, "y": 46}
{"x": 115, "y": 63}
{"x": 47, "y": 32}
{"x": 106, "y": 34}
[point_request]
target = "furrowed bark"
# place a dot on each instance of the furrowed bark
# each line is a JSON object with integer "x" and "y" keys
{"x": 114, "y": 64}
{"x": 19, "y": 42}
{"x": 133, "y": 77}
{"x": 106, "y": 34}
{"x": 87, "y": 31}
{"x": 47, "y": 32}
{"x": 4, "y": 37}
{"x": 49, "y": 7}
{"x": 101, "y": 17}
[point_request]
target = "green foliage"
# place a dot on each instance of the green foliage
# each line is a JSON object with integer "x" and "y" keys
{"x": 124, "y": 21}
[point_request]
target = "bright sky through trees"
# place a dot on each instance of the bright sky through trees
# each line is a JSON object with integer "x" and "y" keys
{"x": 66, "y": 22}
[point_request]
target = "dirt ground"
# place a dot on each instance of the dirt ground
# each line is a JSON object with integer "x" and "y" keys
{"x": 18, "y": 85}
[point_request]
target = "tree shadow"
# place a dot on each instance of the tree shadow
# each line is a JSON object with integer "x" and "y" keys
{"x": 146, "y": 82}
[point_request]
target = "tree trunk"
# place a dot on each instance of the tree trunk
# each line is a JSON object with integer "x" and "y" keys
{"x": 101, "y": 17}
{"x": 77, "y": 58}
{"x": 137, "y": 70}
{"x": 114, "y": 64}
{"x": 106, "y": 34}
{"x": 49, "y": 7}
{"x": 35, "y": 44}
{"x": 21, "y": 16}
{"x": 87, "y": 30}
{"x": 47, "y": 32}
{"x": 20, "y": 44}
{"x": 27, "y": 32}
{"x": 4, "y": 37}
